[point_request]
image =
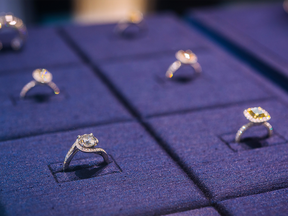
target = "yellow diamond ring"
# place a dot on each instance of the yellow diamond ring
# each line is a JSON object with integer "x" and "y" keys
{"x": 256, "y": 116}
{"x": 41, "y": 77}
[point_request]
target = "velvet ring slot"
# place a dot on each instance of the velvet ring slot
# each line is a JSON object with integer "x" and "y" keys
{"x": 256, "y": 138}
{"x": 84, "y": 169}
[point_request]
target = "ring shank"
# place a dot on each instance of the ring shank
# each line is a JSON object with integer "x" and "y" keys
{"x": 73, "y": 150}
{"x": 33, "y": 83}
{"x": 177, "y": 64}
{"x": 249, "y": 125}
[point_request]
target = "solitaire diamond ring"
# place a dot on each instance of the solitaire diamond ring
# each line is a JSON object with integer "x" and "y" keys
{"x": 14, "y": 30}
{"x": 256, "y": 116}
{"x": 135, "y": 18}
{"x": 41, "y": 77}
{"x": 184, "y": 57}
{"x": 85, "y": 143}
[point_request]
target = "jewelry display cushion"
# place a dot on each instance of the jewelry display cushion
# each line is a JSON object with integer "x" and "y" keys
{"x": 150, "y": 181}
{"x": 260, "y": 29}
{"x": 269, "y": 203}
{"x": 208, "y": 211}
{"x": 44, "y": 47}
{"x": 164, "y": 33}
{"x": 83, "y": 101}
{"x": 200, "y": 141}
{"x": 144, "y": 84}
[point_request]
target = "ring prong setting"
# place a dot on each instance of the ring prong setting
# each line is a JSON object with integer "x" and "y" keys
{"x": 87, "y": 140}
{"x": 42, "y": 75}
{"x": 186, "y": 57}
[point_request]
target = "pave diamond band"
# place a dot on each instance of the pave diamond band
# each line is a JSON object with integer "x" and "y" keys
{"x": 184, "y": 57}
{"x": 41, "y": 77}
{"x": 85, "y": 143}
{"x": 257, "y": 116}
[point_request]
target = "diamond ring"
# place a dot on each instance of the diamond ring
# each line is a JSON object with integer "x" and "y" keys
{"x": 256, "y": 116}
{"x": 41, "y": 77}
{"x": 12, "y": 27}
{"x": 135, "y": 18}
{"x": 184, "y": 57}
{"x": 85, "y": 143}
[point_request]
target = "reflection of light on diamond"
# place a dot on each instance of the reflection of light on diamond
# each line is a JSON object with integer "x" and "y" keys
{"x": 187, "y": 55}
{"x": 257, "y": 112}
{"x": 44, "y": 75}
{"x": 9, "y": 18}
{"x": 13, "y": 22}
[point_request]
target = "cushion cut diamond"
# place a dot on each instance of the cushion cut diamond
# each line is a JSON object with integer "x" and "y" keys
{"x": 257, "y": 112}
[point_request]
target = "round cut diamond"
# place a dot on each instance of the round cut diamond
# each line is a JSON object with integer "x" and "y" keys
{"x": 87, "y": 140}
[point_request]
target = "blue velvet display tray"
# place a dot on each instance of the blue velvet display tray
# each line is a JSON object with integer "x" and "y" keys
{"x": 83, "y": 101}
{"x": 170, "y": 142}
{"x": 208, "y": 211}
{"x": 269, "y": 203}
{"x": 259, "y": 29}
{"x": 44, "y": 47}
{"x": 198, "y": 139}
{"x": 151, "y": 93}
{"x": 165, "y": 33}
{"x": 149, "y": 182}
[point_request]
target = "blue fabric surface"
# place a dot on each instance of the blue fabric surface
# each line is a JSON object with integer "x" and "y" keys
{"x": 164, "y": 33}
{"x": 43, "y": 48}
{"x": 83, "y": 101}
{"x": 208, "y": 211}
{"x": 195, "y": 138}
{"x": 197, "y": 121}
{"x": 270, "y": 203}
{"x": 259, "y": 29}
{"x": 150, "y": 182}
{"x": 144, "y": 84}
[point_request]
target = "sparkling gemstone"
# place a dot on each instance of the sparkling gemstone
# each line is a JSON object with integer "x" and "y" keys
{"x": 257, "y": 112}
{"x": 42, "y": 75}
{"x": 87, "y": 140}
{"x": 186, "y": 57}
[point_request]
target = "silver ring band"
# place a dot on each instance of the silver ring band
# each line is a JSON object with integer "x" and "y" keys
{"x": 33, "y": 83}
{"x": 41, "y": 77}
{"x": 251, "y": 124}
{"x": 86, "y": 146}
{"x": 177, "y": 64}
